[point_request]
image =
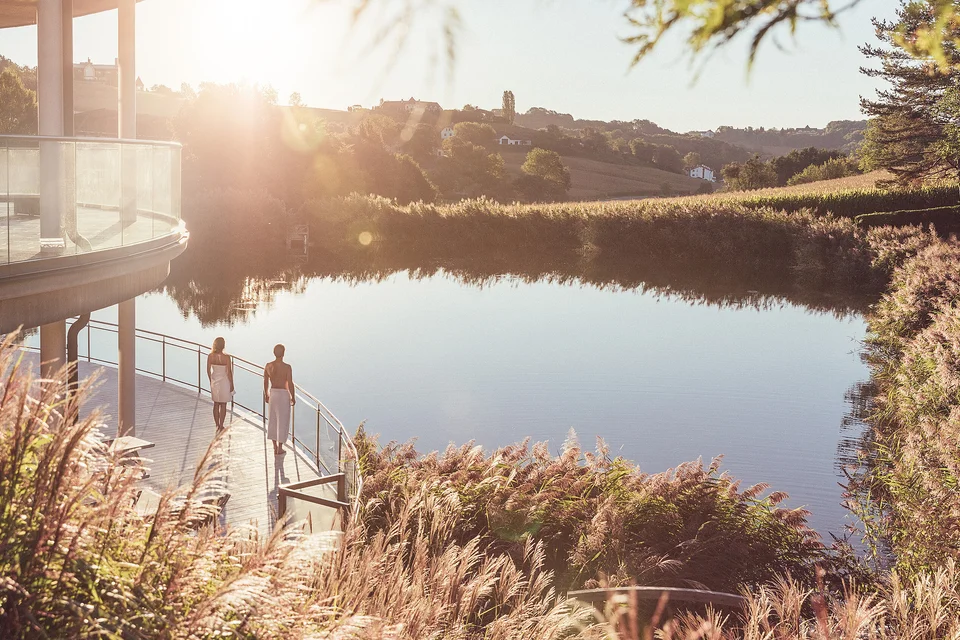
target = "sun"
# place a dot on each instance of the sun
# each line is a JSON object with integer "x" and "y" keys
{"x": 249, "y": 40}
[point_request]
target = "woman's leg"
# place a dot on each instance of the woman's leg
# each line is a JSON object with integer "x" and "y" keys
{"x": 223, "y": 414}
{"x": 216, "y": 415}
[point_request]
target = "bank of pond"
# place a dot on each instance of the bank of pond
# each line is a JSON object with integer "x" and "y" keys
{"x": 600, "y": 518}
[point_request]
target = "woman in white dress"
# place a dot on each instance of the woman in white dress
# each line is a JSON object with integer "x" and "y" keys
{"x": 220, "y": 375}
{"x": 278, "y": 391}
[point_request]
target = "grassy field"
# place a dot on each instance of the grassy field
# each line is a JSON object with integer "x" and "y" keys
{"x": 596, "y": 180}
{"x": 844, "y": 197}
{"x": 841, "y": 185}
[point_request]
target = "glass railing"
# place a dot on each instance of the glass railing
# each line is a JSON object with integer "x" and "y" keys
{"x": 66, "y": 196}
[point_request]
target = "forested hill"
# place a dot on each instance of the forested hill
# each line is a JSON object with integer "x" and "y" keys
{"x": 839, "y": 135}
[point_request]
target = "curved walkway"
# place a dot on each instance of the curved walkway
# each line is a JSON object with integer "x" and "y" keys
{"x": 180, "y": 423}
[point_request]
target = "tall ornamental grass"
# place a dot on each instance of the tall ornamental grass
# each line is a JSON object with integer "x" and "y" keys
{"x": 597, "y": 519}
{"x": 913, "y": 473}
{"x": 77, "y": 561}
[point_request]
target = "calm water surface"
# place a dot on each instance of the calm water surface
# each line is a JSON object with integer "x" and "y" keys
{"x": 661, "y": 380}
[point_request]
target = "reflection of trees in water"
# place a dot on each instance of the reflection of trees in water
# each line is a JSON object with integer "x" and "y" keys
{"x": 856, "y": 453}
{"x": 856, "y": 439}
{"x": 228, "y": 291}
{"x": 218, "y": 295}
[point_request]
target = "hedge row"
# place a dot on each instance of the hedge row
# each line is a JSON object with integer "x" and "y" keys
{"x": 942, "y": 218}
{"x": 850, "y": 204}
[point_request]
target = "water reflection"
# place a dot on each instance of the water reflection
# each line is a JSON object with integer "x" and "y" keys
{"x": 222, "y": 290}
{"x": 856, "y": 454}
{"x": 665, "y": 373}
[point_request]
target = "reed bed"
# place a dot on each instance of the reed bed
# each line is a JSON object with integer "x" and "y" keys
{"x": 755, "y": 247}
{"x": 914, "y": 469}
{"x": 596, "y": 517}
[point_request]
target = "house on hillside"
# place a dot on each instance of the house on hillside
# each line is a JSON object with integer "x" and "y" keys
{"x": 88, "y": 72}
{"x": 447, "y": 132}
{"x": 410, "y": 106}
{"x": 703, "y": 172}
{"x": 107, "y": 74}
{"x": 506, "y": 140}
{"x": 704, "y": 134}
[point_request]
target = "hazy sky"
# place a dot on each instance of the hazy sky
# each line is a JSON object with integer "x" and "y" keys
{"x": 560, "y": 54}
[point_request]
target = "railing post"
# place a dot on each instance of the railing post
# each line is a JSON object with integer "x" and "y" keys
{"x": 163, "y": 359}
{"x": 199, "y": 379}
{"x": 317, "y": 441}
{"x": 339, "y": 450}
{"x": 293, "y": 425}
{"x": 89, "y": 329}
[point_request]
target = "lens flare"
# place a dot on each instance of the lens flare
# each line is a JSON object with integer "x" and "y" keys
{"x": 365, "y": 238}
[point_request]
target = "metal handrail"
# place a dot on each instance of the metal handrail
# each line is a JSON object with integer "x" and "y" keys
{"x": 347, "y": 449}
{"x": 658, "y": 594}
{"x": 152, "y": 143}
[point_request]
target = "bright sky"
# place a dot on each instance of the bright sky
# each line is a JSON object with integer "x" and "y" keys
{"x": 561, "y": 54}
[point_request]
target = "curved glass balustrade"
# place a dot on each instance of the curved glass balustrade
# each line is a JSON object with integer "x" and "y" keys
{"x": 67, "y": 196}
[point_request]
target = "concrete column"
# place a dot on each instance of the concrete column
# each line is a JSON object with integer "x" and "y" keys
{"x": 67, "y": 39}
{"x": 70, "y": 185}
{"x": 53, "y": 348}
{"x": 50, "y": 99}
{"x": 127, "y": 367}
{"x": 53, "y": 337}
{"x": 127, "y": 117}
{"x": 127, "y": 107}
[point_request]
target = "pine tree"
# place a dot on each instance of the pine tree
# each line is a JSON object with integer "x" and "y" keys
{"x": 907, "y": 121}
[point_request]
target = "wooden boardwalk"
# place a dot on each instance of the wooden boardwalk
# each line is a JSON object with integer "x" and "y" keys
{"x": 180, "y": 423}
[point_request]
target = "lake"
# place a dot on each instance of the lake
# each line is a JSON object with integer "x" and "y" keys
{"x": 661, "y": 380}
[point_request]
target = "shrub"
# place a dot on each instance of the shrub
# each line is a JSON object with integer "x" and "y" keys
{"x": 548, "y": 165}
{"x": 830, "y": 170}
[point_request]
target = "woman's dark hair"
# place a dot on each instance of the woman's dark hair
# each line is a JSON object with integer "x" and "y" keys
{"x": 279, "y": 350}
{"x": 218, "y": 345}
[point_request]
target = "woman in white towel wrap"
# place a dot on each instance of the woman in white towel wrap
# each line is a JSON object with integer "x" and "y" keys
{"x": 278, "y": 392}
{"x": 220, "y": 376}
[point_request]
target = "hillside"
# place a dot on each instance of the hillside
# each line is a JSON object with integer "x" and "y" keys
{"x": 95, "y": 96}
{"x": 596, "y": 180}
{"x": 839, "y": 135}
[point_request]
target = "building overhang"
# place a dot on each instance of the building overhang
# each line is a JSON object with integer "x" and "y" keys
{"x": 42, "y": 291}
{"x": 20, "y": 13}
